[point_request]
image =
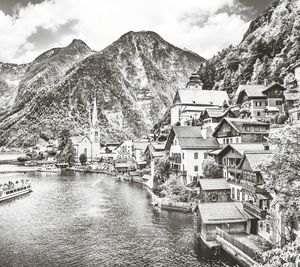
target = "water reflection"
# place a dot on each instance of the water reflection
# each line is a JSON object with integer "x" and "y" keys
{"x": 75, "y": 220}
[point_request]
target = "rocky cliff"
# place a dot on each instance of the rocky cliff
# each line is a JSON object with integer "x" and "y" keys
{"x": 270, "y": 45}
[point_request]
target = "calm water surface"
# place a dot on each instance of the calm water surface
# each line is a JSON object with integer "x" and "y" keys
{"x": 73, "y": 220}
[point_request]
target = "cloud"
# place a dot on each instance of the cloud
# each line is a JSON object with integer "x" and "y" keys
{"x": 202, "y": 26}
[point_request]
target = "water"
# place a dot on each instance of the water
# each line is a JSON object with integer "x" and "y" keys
{"x": 73, "y": 220}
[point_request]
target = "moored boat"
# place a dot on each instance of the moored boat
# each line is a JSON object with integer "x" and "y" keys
{"x": 49, "y": 168}
{"x": 10, "y": 190}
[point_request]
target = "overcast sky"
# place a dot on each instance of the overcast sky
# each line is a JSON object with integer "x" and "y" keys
{"x": 29, "y": 27}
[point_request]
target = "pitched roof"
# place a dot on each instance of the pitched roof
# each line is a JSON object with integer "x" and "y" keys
{"x": 255, "y": 158}
{"x": 141, "y": 145}
{"x": 190, "y": 137}
{"x": 274, "y": 85}
{"x": 202, "y": 97}
{"x": 241, "y": 148}
{"x": 213, "y": 184}
{"x": 199, "y": 142}
{"x": 254, "y": 90}
{"x": 78, "y": 139}
{"x": 222, "y": 212}
{"x": 237, "y": 124}
{"x": 250, "y": 90}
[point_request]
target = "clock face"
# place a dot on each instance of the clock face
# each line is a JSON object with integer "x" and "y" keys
{"x": 196, "y": 85}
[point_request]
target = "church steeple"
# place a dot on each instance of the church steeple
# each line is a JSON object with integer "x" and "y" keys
{"x": 194, "y": 82}
{"x": 95, "y": 113}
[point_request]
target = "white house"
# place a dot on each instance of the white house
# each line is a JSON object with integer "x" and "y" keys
{"x": 190, "y": 103}
{"x": 186, "y": 148}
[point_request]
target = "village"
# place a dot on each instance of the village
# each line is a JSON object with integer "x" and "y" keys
{"x": 204, "y": 159}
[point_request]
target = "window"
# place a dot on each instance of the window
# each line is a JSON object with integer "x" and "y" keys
{"x": 196, "y": 155}
{"x": 214, "y": 197}
{"x": 268, "y": 228}
{"x": 258, "y": 113}
{"x": 236, "y": 140}
{"x": 175, "y": 143}
{"x": 182, "y": 155}
{"x": 196, "y": 168}
{"x": 278, "y": 103}
{"x": 258, "y": 104}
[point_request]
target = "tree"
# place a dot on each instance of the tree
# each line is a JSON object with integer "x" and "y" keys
{"x": 66, "y": 148}
{"x": 83, "y": 159}
{"x": 282, "y": 176}
{"x": 211, "y": 169}
{"x": 282, "y": 257}
{"x": 281, "y": 119}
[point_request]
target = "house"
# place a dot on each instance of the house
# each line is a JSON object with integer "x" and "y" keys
{"x": 214, "y": 190}
{"x": 82, "y": 145}
{"x": 125, "y": 150}
{"x": 108, "y": 151}
{"x": 228, "y": 216}
{"x": 260, "y": 101}
{"x": 231, "y": 155}
{"x": 233, "y": 131}
{"x": 154, "y": 150}
{"x": 139, "y": 148}
{"x": 186, "y": 148}
{"x": 211, "y": 117}
{"x": 190, "y": 103}
{"x": 256, "y": 200}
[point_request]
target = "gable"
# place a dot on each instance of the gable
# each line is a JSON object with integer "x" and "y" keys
{"x": 224, "y": 129}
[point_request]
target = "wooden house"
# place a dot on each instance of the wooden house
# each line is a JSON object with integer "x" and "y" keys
{"x": 228, "y": 216}
{"x": 214, "y": 190}
{"x": 232, "y": 131}
{"x": 211, "y": 117}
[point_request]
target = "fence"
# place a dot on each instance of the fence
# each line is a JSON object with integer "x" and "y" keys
{"x": 255, "y": 255}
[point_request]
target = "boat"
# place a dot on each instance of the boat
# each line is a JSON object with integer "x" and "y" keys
{"x": 49, "y": 168}
{"x": 10, "y": 190}
{"x": 119, "y": 178}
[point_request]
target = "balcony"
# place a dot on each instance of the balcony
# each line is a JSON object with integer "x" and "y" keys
{"x": 253, "y": 187}
{"x": 224, "y": 134}
{"x": 254, "y": 210}
{"x": 175, "y": 159}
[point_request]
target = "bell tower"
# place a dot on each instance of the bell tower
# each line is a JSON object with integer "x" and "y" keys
{"x": 194, "y": 82}
{"x": 94, "y": 127}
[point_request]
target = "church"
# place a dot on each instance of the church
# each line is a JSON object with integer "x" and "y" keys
{"x": 189, "y": 103}
{"x": 89, "y": 144}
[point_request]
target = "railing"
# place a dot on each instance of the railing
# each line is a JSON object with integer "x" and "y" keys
{"x": 224, "y": 134}
{"x": 255, "y": 255}
{"x": 175, "y": 159}
{"x": 254, "y": 210}
{"x": 251, "y": 186}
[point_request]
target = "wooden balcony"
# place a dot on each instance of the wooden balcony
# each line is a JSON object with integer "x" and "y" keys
{"x": 254, "y": 210}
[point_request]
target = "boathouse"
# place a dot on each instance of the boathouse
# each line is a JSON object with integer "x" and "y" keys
{"x": 227, "y": 216}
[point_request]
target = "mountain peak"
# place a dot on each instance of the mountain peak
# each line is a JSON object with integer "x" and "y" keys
{"x": 78, "y": 42}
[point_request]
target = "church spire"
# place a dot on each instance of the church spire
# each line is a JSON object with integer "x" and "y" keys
{"x": 95, "y": 114}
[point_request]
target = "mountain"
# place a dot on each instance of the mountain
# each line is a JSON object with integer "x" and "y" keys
{"x": 134, "y": 80}
{"x": 270, "y": 45}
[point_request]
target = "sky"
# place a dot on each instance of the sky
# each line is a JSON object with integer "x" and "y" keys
{"x": 30, "y": 27}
